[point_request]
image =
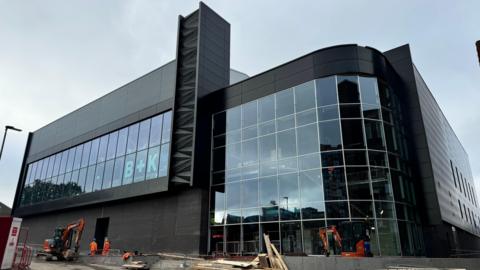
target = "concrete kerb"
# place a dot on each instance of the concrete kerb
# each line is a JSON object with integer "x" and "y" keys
{"x": 117, "y": 260}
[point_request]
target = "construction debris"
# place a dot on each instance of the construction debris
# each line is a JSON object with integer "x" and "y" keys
{"x": 135, "y": 265}
{"x": 272, "y": 261}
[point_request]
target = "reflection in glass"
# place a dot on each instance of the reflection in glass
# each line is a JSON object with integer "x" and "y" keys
{"x": 352, "y": 132}
{"x": 122, "y": 142}
{"x": 307, "y": 139}
{"x": 118, "y": 172}
{"x": 140, "y": 166}
{"x": 107, "y": 176}
{"x": 311, "y": 186}
{"x": 284, "y": 103}
{"x": 326, "y": 91}
{"x": 328, "y": 113}
{"x": 129, "y": 169}
{"x": 266, "y": 108}
{"x": 334, "y": 184}
{"x": 268, "y": 191}
{"x": 132, "y": 138}
{"x": 291, "y": 237}
{"x": 249, "y": 114}
{"x": 143, "y": 134}
{"x": 330, "y": 138}
{"x": 348, "y": 89}
{"x": 305, "y": 96}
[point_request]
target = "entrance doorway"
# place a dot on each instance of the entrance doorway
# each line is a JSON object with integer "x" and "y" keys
{"x": 101, "y": 231}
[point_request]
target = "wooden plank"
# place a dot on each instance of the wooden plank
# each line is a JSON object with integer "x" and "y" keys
{"x": 268, "y": 244}
{"x": 280, "y": 259}
{"x": 234, "y": 263}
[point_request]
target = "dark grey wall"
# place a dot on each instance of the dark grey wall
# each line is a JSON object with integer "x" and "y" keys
{"x": 169, "y": 222}
{"x": 132, "y": 102}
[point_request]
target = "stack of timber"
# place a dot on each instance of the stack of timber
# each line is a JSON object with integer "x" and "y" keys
{"x": 272, "y": 260}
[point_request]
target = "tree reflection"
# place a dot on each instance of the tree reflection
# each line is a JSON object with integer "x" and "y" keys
{"x": 42, "y": 191}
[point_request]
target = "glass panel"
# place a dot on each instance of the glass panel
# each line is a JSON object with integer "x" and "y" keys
{"x": 143, "y": 134}
{"x": 334, "y": 184}
{"x": 306, "y": 117}
{"x": 63, "y": 165}
{"x": 249, "y": 133}
{"x": 350, "y": 111}
{"x": 266, "y": 108}
{"x": 371, "y": 111}
{"x": 268, "y": 148}
{"x": 373, "y": 132}
{"x": 112, "y": 145}
{"x": 90, "y": 179}
{"x": 249, "y": 114}
{"x": 328, "y": 113}
{"x": 250, "y": 193}
{"x": 352, "y": 132}
{"x": 56, "y": 166}
{"x": 384, "y": 210}
{"x": 269, "y": 213}
{"x": 377, "y": 158}
{"x": 167, "y": 126}
{"x": 358, "y": 183}
{"x": 234, "y": 137}
{"x": 266, "y": 128}
{"x": 233, "y": 239}
{"x": 284, "y": 103}
{"x": 78, "y": 157}
{"x": 361, "y": 209}
{"x": 218, "y": 159}
{"x": 234, "y": 159}
{"x": 285, "y": 123}
{"x": 337, "y": 209}
{"x": 107, "y": 178}
{"x": 233, "y": 195}
{"x": 313, "y": 245}
{"x": 102, "y": 150}
{"x": 308, "y": 162}
{"x": 355, "y": 158}
{"x": 334, "y": 158}
{"x": 140, "y": 166}
{"x": 287, "y": 166}
{"x": 94, "y": 152}
{"x": 326, "y": 91}
{"x": 250, "y": 172}
{"x": 311, "y": 186}
{"x": 234, "y": 175}
{"x": 118, "y": 172}
{"x": 291, "y": 237}
{"x": 233, "y": 118}
{"x": 305, "y": 96}
{"x": 216, "y": 239}
{"x": 152, "y": 162}
{"x": 268, "y": 191}
{"x": 251, "y": 239}
{"x": 330, "y": 138}
{"x": 348, "y": 89}
{"x": 273, "y": 231}
{"x": 81, "y": 179}
{"x": 132, "y": 138}
{"x": 129, "y": 169}
{"x": 51, "y": 161}
{"x": 286, "y": 144}
{"x": 99, "y": 176}
{"x": 219, "y": 141}
{"x": 44, "y": 168}
{"x": 387, "y": 235}
{"x": 122, "y": 141}
{"x": 368, "y": 87}
{"x": 288, "y": 190}
{"x": 156, "y": 130}
{"x": 313, "y": 210}
{"x": 307, "y": 139}
{"x": 71, "y": 157}
{"x": 86, "y": 154}
{"x": 163, "y": 164}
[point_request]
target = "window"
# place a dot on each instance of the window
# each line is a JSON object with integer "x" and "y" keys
{"x": 249, "y": 112}
{"x": 334, "y": 184}
{"x": 140, "y": 166}
{"x": 112, "y": 145}
{"x": 78, "y": 157}
{"x": 99, "y": 170}
{"x": 288, "y": 191}
{"x": 102, "y": 149}
{"x": 167, "y": 126}
{"x": 118, "y": 172}
{"x": 328, "y": 113}
{"x": 311, "y": 186}
{"x": 266, "y": 108}
{"x": 85, "y": 154}
{"x": 108, "y": 175}
{"x": 250, "y": 193}
{"x": 352, "y": 132}
{"x": 94, "y": 151}
{"x": 368, "y": 87}
{"x": 129, "y": 169}
{"x": 268, "y": 191}
{"x": 348, "y": 89}
{"x": 286, "y": 144}
{"x": 326, "y": 91}
{"x": 307, "y": 139}
{"x": 268, "y": 150}
{"x": 234, "y": 117}
{"x": 305, "y": 96}
{"x": 122, "y": 142}
{"x": 163, "y": 165}
{"x": 155, "y": 130}
{"x": 284, "y": 103}
{"x": 143, "y": 135}
{"x": 152, "y": 162}
{"x": 330, "y": 138}
{"x": 132, "y": 138}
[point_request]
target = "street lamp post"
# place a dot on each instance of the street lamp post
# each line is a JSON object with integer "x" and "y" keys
{"x": 5, "y": 136}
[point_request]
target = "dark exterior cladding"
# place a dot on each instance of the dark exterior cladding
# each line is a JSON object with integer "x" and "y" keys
{"x": 342, "y": 59}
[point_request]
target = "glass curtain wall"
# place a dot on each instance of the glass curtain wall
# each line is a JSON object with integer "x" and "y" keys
{"x": 299, "y": 160}
{"x": 132, "y": 154}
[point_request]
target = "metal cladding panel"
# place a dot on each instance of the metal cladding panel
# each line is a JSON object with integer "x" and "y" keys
{"x": 149, "y": 90}
{"x": 170, "y": 223}
{"x": 444, "y": 146}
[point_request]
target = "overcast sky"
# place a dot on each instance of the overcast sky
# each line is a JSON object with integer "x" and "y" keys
{"x": 56, "y": 56}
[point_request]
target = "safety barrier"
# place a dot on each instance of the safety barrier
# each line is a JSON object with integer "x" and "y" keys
{"x": 23, "y": 257}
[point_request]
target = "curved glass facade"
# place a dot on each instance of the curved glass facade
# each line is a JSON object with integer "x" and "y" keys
{"x": 132, "y": 154}
{"x": 308, "y": 157}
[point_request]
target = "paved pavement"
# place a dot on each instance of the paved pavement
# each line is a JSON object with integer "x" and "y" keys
{"x": 43, "y": 265}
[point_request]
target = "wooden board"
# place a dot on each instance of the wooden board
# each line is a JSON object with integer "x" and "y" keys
{"x": 269, "y": 250}
{"x": 279, "y": 258}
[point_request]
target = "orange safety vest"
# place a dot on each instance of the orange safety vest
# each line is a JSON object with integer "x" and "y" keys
{"x": 93, "y": 248}
{"x": 126, "y": 255}
{"x": 106, "y": 248}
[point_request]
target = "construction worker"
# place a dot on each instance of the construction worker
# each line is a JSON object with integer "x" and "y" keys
{"x": 93, "y": 247}
{"x": 106, "y": 247}
{"x": 126, "y": 255}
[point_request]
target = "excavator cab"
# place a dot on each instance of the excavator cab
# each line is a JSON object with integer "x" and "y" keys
{"x": 60, "y": 246}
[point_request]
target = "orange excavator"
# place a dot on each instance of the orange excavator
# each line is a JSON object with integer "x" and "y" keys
{"x": 353, "y": 241}
{"x": 65, "y": 242}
